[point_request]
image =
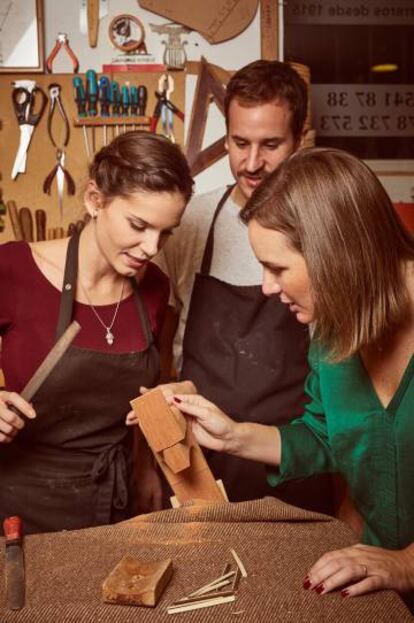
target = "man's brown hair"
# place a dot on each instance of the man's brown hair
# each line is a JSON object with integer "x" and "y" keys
{"x": 262, "y": 82}
{"x": 336, "y": 213}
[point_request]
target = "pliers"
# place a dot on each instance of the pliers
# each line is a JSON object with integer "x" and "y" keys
{"x": 55, "y": 99}
{"x": 164, "y": 108}
{"x": 62, "y": 41}
{"x": 59, "y": 171}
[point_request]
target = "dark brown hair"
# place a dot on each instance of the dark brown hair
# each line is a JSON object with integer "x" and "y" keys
{"x": 141, "y": 161}
{"x": 262, "y": 82}
{"x": 336, "y": 213}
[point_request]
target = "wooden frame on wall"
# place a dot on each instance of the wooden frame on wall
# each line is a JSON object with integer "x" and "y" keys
{"x": 22, "y": 21}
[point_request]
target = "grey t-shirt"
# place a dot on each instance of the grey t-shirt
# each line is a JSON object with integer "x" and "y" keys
{"x": 233, "y": 260}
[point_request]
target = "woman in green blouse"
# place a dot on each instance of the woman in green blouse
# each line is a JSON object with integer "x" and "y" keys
{"x": 333, "y": 249}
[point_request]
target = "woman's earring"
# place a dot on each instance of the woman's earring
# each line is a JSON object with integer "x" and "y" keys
{"x": 95, "y": 214}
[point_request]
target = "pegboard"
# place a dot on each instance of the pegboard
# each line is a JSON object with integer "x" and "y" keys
{"x": 27, "y": 189}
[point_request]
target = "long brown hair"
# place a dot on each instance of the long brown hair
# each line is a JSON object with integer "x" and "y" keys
{"x": 334, "y": 211}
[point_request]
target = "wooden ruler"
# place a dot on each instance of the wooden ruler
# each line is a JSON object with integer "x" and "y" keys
{"x": 269, "y": 30}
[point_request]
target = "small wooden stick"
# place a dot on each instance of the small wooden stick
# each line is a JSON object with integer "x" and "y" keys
{"x": 185, "y": 600}
{"x": 211, "y": 588}
{"x": 239, "y": 563}
{"x": 210, "y": 585}
{"x": 207, "y": 603}
{"x": 236, "y": 580}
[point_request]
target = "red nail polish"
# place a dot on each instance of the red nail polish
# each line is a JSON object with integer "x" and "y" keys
{"x": 320, "y": 588}
{"x": 306, "y": 584}
{"x": 345, "y": 593}
{"x": 177, "y": 399}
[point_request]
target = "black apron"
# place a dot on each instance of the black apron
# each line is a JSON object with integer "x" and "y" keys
{"x": 248, "y": 354}
{"x": 69, "y": 468}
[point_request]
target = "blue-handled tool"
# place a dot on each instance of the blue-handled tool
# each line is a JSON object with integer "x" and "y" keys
{"x": 80, "y": 96}
{"x": 125, "y": 102}
{"x": 134, "y": 100}
{"x": 104, "y": 85}
{"x": 142, "y": 99}
{"x": 80, "y": 99}
{"x": 116, "y": 102}
{"x": 115, "y": 98}
{"x": 92, "y": 98}
{"x": 91, "y": 92}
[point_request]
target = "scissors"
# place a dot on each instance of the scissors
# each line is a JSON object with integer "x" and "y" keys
{"x": 24, "y": 96}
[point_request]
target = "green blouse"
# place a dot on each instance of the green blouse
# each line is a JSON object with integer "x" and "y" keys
{"x": 346, "y": 429}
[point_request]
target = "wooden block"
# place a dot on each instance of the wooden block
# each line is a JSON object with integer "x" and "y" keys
{"x": 175, "y": 449}
{"x": 156, "y": 422}
{"x": 136, "y": 583}
{"x": 177, "y": 457}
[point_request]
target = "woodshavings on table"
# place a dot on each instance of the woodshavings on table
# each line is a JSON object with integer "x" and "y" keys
{"x": 219, "y": 591}
{"x": 239, "y": 563}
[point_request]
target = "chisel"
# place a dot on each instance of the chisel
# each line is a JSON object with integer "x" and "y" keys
{"x": 15, "y": 589}
{"x": 26, "y": 224}
{"x": 40, "y": 220}
{"x": 15, "y": 221}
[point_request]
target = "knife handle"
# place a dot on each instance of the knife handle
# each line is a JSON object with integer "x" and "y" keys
{"x": 40, "y": 219}
{"x": 26, "y": 224}
{"x": 13, "y": 530}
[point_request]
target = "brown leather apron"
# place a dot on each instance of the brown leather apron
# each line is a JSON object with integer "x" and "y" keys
{"x": 69, "y": 468}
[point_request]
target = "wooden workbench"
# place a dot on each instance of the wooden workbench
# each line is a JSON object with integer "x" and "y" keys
{"x": 277, "y": 544}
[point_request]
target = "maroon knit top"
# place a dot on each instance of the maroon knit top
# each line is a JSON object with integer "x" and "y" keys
{"x": 29, "y": 308}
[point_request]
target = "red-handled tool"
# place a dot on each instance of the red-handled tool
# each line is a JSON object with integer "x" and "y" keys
{"x": 15, "y": 589}
{"x": 62, "y": 41}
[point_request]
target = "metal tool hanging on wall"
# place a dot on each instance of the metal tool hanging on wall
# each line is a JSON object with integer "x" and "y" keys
{"x": 174, "y": 54}
{"x": 62, "y": 41}
{"x": 27, "y": 96}
{"x": 59, "y": 171}
{"x": 164, "y": 108}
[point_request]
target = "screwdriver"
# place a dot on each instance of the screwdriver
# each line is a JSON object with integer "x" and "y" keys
{"x": 116, "y": 102}
{"x": 142, "y": 99}
{"x": 134, "y": 103}
{"x": 105, "y": 102}
{"x": 80, "y": 99}
{"x": 125, "y": 102}
{"x": 92, "y": 98}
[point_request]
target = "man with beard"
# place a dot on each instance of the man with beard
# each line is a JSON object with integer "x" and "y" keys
{"x": 243, "y": 351}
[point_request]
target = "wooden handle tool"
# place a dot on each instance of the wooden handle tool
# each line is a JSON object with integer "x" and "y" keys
{"x": 15, "y": 220}
{"x": 40, "y": 219}
{"x": 93, "y": 21}
{"x": 26, "y": 224}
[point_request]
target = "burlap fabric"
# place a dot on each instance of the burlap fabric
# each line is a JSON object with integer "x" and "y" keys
{"x": 276, "y": 542}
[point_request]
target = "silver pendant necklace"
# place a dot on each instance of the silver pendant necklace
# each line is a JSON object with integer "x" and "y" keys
{"x": 109, "y": 336}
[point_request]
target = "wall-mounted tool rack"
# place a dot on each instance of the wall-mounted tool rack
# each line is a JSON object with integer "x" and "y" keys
{"x": 27, "y": 189}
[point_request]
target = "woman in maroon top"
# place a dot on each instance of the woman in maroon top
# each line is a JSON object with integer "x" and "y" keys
{"x": 65, "y": 462}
